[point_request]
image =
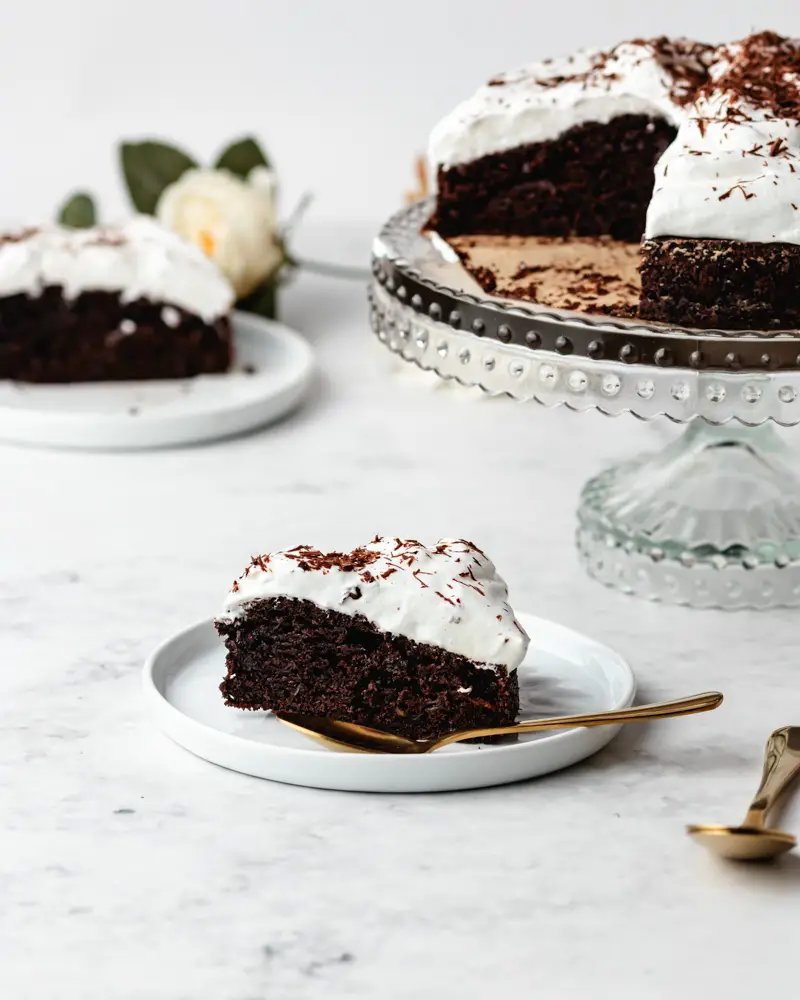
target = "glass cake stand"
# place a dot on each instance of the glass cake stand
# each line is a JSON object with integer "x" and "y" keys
{"x": 712, "y": 520}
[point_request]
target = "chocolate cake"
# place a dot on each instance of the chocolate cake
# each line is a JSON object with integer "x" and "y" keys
{"x": 593, "y": 180}
{"x": 111, "y": 303}
{"x": 414, "y": 640}
{"x": 566, "y": 148}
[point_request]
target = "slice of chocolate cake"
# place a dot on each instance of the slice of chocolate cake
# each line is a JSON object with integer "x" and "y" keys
{"x": 110, "y": 303}
{"x": 565, "y": 146}
{"x": 723, "y": 228}
{"x": 416, "y": 641}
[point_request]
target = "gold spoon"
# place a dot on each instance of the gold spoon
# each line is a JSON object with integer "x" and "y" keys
{"x": 362, "y": 739}
{"x": 753, "y": 840}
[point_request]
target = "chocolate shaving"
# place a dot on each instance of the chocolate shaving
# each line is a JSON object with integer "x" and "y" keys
{"x": 310, "y": 559}
{"x": 417, "y": 573}
{"x": 685, "y": 62}
{"x": 737, "y": 187}
{"x": 763, "y": 71}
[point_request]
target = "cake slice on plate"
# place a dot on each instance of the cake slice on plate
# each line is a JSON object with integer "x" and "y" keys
{"x": 110, "y": 303}
{"x": 414, "y": 640}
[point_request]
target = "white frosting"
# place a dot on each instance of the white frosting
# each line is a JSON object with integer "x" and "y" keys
{"x": 535, "y": 105}
{"x": 709, "y": 185}
{"x": 448, "y": 596}
{"x": 140, "y": 259}
{"x": 733, "y": 172}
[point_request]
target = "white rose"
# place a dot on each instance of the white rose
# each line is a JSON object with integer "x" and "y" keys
{"x": 231, "y": 220}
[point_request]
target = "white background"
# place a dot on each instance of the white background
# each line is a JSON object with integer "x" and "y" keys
{"x": 342, "y": 93}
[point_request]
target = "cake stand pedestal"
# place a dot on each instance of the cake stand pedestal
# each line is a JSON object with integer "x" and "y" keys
{"x": 713, "y": 520}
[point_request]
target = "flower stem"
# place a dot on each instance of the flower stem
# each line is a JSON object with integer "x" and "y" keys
{"x": 297, "y": 213}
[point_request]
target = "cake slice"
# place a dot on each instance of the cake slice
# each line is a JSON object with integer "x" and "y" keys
{"x": 565, "y": 146}
{"x": 110, "y": 303}
{"x": 414, "y": 640}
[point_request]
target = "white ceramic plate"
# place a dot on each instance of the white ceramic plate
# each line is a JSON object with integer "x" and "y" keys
{"x": 270, "y": 376}
{"x": 563, "y": 673}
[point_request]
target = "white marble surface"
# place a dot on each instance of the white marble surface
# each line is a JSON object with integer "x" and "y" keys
{"x": 129, "y": 870}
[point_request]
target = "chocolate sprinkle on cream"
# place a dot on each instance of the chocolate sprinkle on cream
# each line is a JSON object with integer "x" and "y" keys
{"x": 401, "y": 587}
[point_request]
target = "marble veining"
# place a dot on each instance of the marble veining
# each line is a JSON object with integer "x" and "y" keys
{"x": 130, "y": 870}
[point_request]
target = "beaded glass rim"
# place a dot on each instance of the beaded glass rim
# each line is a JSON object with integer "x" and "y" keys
{"x": 407, "y": 264}
{"x": 531, "y": 353}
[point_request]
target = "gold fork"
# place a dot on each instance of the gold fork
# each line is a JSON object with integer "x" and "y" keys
{"x": 362, "y": 739}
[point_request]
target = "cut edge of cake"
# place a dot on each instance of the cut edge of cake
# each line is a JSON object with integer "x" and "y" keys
{"x": 565, "y": 146}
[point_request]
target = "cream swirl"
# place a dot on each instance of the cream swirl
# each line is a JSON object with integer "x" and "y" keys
{"x": 448, "y": 595}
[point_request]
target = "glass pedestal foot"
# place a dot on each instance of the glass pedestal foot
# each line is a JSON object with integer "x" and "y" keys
{"x": 711, "y": 521}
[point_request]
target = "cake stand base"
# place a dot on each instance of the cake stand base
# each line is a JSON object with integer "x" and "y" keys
{"x": 712, "y": 521}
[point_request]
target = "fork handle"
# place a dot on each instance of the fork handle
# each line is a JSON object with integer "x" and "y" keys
{"x": 705, "y": 702}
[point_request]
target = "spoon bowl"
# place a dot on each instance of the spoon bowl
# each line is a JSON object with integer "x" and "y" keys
{"x": 742, "y": 843}
{"x": 754, "y": 840}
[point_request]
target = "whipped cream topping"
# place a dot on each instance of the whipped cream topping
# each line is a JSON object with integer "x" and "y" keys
{"x": 140, "y": 259}
{"x": 720, "y": 180}
{"x": 733, "y": 171}
{"x": 449, "y": 595}
{"x": 655, "y": 77}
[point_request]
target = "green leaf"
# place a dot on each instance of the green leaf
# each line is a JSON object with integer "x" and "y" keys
{"x": 263, "y": 301}
{"x": 148, "y": 168}
{"x": 78, "y": 212}
{"x": 241, "y": 157}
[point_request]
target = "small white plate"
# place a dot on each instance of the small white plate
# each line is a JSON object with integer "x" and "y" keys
{"x": 271, "y": 372}
{"x": 564, "y": 673}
